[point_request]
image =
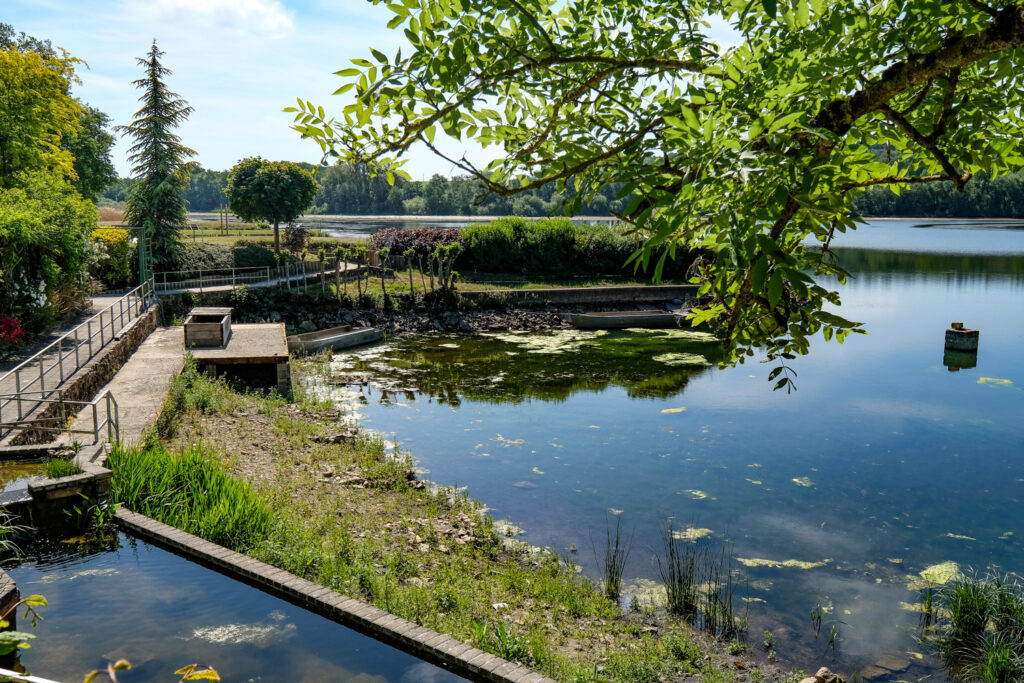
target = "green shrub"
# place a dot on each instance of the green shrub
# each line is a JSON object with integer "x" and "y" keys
{"x": 555, "y": 246}
{"x": 113, "y": 262}
{"x": 44, "y": 252}
{"x": 250, "y": 255}
{"x": 202, "y": 256}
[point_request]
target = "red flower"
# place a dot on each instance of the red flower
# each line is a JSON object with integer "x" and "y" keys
{"x": 11, "y": 331}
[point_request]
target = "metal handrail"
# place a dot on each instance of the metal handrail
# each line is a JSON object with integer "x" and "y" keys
{"x": 64, "y": 422}
{"x": 222, "y": 277}
{"x": 46, "y": 370}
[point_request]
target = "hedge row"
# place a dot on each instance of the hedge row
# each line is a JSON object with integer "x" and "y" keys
{"x": 550, "y": 246}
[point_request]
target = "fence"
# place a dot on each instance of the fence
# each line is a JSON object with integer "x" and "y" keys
{"x": 63, "y": 420}
{"x": 228, "y": 278}
{"x": 41, "y": 375}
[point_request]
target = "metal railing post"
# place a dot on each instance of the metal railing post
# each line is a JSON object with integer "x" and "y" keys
{"x": 17, "y": 389}
{"x": 78, "y": 359}
{"x": 42, "y": 377}
{"x": 60, "y": 358}
{"x": 90, "y": 337}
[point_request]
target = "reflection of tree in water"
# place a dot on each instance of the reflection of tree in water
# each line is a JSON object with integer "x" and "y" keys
{"x": 496, "y": 370}
{"x": 949, "y": 268}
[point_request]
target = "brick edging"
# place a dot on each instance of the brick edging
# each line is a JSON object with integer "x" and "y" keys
{"x": 416, "y": 640}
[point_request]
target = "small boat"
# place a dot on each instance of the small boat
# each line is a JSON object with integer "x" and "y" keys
{"x": 333, "y": 338}
{"x": 618, "y": 320}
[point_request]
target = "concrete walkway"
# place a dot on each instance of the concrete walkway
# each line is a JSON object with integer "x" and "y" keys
{"x": 140, "y": 386}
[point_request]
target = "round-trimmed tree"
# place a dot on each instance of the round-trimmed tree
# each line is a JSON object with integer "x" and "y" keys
{"x": 271, "y": 191}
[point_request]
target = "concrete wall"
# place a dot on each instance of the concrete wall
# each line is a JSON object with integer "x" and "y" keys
{"x": 94, "y": 375}
{"x": 564, "y": 296}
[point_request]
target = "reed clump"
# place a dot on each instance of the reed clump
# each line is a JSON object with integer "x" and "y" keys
{"x": 978, "y": 628}
{"x": 698, "y": 582}
{"x": 192, "y": 492}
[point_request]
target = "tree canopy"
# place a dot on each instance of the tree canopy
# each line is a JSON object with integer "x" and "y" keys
{"x": 272, "y": 191}
{"x": 159, "y": 160}
{"x": 36, "y": 113}
{"x": 751, "y": 152}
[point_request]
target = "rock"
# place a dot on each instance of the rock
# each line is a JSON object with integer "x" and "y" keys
{"x": 275, "y": 317}
{"x": 824, "y": 676}
{"x": 465, "y": 326}
{"x": 893, "y": 663}
{"x": 677, "y": 302}
{"x": 335, "y": 438}
{"x": 349, "y": 317}
{"x": 438, "y": 326}
{"x": 307, "y": 326}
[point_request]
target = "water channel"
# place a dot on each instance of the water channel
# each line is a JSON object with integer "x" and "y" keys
{"x": 883, "y": 463}
{"x": 126, "y": 599}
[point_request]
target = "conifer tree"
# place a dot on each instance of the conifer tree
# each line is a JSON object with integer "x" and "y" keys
{"x": 156, "y": 202}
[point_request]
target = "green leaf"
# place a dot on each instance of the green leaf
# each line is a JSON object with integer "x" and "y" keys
{"x": 769, "y": 7}
{"x": 774, "y": 289}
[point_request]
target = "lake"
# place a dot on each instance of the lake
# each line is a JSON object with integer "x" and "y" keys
{"x": 883, "y": 463}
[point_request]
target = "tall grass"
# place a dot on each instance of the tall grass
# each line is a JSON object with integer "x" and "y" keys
{"x": 616, "y": 552}
{"x": 61, "y": 467}
{"x": 191, "y": 492}
{"x": 698, "y": 582}
{"x": 979, "y": 629}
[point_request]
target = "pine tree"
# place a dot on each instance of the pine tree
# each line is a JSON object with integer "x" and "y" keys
{"x": 156, "y": 202}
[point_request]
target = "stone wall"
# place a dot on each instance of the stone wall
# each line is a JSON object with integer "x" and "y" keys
{"x": 94, "y": 375}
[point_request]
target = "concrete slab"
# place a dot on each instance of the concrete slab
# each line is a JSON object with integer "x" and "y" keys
{"x": 140, "y": 386}
{"x": 249, "y": 344}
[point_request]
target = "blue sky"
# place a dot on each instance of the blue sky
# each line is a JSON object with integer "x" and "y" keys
{"x": 238, "y": 62}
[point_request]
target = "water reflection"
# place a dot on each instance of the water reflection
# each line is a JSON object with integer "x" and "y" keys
{"x": 511, "y": 368}
{"x": 133, "y": 601}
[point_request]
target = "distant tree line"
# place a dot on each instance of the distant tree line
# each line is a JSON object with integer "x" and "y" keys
{"x": 346, "y": 189}
{"x": 983, "y": 197}
{"x": 349, "y": 189}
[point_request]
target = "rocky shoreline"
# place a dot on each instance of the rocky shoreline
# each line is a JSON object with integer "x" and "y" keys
{"x": 423, "y": 322}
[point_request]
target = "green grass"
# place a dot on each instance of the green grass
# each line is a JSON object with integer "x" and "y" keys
{"x": 61, "y": 467}
{"x": 192, "y": 492}
{"x": 979, "y": 628}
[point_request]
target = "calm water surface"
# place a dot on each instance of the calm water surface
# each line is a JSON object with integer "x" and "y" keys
{"x": 162, "y": 612}
{"x": 883, "y": 463}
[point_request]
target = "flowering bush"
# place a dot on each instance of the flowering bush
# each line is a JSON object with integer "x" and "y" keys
{"x": 113, "y": 265}
{"x": 11, "y": 333}
{"x": 424, "y": 241}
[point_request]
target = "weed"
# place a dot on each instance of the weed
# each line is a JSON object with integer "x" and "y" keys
{"x": 769, "y": 640}
{"x": 616, "y": 553}
{"x": 817, "y": 612}
{"x": 698, "y": 583}
{"x": 61, "y": 467}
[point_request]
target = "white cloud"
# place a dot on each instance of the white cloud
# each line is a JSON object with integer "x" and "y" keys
{"x": 257, "y": 18}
